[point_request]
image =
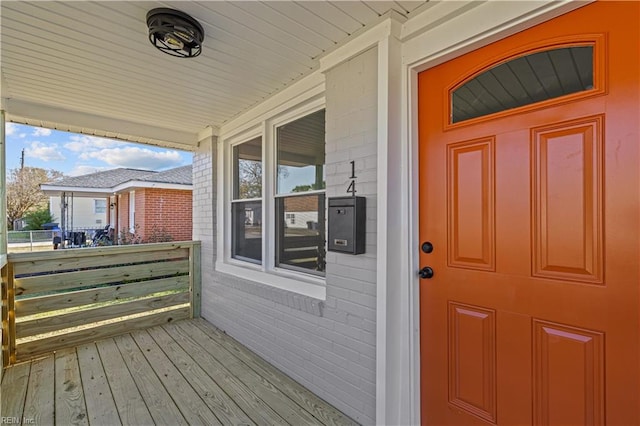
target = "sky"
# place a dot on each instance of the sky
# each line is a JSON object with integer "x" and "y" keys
{"x": 75, "y": 154}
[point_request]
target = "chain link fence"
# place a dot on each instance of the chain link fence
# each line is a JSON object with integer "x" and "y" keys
{"x": 21, "y": 241}
{"x": 22, "y": 237}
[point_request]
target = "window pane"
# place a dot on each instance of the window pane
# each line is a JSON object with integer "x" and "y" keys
{"x": 301, "y": 154}
{"x": 247, "y": 230}
{"x": 523, "y": 81}
{"x": 301, "y": 233}
{"x": 100, "y": 206}
{"x": 247, "y": 166}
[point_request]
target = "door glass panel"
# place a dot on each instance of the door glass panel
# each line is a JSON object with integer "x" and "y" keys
{"x": 525, "y": 80}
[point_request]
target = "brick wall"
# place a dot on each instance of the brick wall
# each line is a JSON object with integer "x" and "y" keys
{"x": 158, "y": 212}
{"x": 331, "y": 350}
{"x": 164, "y": 212}
{"x": 139, "y": 217}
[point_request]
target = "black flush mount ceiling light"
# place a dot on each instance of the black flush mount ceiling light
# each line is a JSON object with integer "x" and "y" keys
{"x": 175, "y": 33}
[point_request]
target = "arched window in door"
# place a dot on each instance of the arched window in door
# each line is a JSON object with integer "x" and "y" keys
{"x": 525, "y": 80}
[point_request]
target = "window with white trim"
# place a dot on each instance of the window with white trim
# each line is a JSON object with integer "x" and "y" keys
{"x": 99, "y": 206}
{"x": 276, "y": 198}
{"x": 300, "y": 194}
{"x": 246, "y": 202}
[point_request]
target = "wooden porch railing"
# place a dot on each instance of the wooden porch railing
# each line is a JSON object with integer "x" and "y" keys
{"x": 63, "y": 298}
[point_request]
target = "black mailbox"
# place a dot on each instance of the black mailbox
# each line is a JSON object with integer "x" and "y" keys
{"x": 347, "y": 224}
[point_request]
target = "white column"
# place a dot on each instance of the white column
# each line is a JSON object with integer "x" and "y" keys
{"x": 3, "y": 194}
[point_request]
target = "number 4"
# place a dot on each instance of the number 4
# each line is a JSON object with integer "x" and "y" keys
{"x": 352, "y": 188}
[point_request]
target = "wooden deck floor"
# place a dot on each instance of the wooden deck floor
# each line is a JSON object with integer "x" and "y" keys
{"x": 183, "y": 373}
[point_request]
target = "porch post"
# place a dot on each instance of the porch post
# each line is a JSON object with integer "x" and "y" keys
{"x": 3, "y": 194}
{"x": 4, "y": 318}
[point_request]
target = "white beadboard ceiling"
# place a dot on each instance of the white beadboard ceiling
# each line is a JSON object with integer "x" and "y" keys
{"x": 93, "y": 59}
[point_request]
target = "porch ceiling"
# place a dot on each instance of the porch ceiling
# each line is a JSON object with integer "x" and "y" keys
{"x": 88, "y": 67}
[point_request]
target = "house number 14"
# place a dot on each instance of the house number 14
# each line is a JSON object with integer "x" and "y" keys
{"x": 352, "y": 186}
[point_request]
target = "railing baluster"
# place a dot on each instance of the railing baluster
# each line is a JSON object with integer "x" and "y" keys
{"x": 5, "y": 314}
{"x": 195, "y": 279}
{"x": 11, "y": 314}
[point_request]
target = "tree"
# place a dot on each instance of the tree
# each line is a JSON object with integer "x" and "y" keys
{"x": 36, "y": 218}
{"x": 301, "y": 188}
{"x": 24, "y": 193}
{"x": 312, "y": 187}
{"x": 250, "y": 179}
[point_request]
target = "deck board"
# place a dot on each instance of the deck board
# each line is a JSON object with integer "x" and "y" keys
{"x": 158, "y": 400}
{"x": 69, "y": 395}
{"x": 130, "y": 404}
{"x": 14, "y": 390}
{"x": 187, "y": 372}
{"x": 101, "y": 407}
{"x": 260, "y": 412}
{"x": 326, "y": 413}
{"x": 287, "y": 408}
{"x": 211, "y": 393}
{"x": 194, "y": 410}
{"x": 39, "y": 405}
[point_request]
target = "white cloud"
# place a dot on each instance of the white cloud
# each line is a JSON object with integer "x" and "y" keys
{"x": 10, "y": 129}
{"x": 84, "y": 143}
{"x": 39, "y": 131}
{"x": 136, "y": 158}
{"x": 84, "y": 169}
{"x": 44, "y": 152}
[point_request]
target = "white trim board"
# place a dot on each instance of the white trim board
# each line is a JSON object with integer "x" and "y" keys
{"x": 81, "y": 122}
{"x": 139, "y": 184}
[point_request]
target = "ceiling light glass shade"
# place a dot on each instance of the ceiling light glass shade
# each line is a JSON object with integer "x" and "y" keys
{"x": 175, "y": 33}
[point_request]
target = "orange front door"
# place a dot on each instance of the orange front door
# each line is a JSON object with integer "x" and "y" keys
{"x": 532, "y": 313}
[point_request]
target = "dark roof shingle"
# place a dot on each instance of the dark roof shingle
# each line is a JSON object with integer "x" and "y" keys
{"x": 105, "y": 179}
{"x": 180, "y": 175}
{"x": 114, "y": 177}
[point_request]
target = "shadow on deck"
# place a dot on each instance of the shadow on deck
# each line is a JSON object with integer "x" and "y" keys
{"x": 187, "y": 372}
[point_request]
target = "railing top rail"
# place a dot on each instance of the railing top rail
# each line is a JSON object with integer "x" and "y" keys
{"x": 97, "y": 251}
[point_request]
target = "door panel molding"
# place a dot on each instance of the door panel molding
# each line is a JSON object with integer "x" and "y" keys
{"x": 472, "y": 360}
{"x": 568, "y": 375}
{"x": 471, "y": 204}
{"x": 567, "y": 209}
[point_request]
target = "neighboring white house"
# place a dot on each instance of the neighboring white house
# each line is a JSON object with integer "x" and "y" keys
{"x": 86, "y": 213}
{"x": 142, "y": 201}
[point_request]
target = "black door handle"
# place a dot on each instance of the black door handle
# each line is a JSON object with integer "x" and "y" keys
{"x": 426, "y": 272}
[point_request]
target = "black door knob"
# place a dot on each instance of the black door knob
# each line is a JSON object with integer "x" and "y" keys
{"x": 426, "y": 272}
{"x": 427, "y": 247}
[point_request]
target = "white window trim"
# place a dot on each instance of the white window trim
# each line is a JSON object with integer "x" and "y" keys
{"x": 95, "y": 205}
{"x": 112, "y": 212}
{"x": 132, "y": 212}
{"x": 267, "y": 273}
